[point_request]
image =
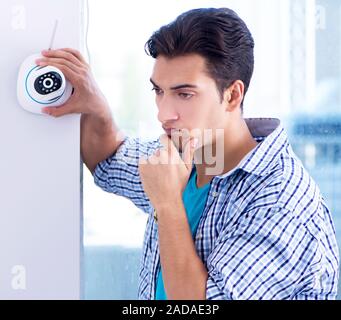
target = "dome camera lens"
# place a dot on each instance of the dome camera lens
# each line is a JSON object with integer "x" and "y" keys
{"x": 48, "y": 83}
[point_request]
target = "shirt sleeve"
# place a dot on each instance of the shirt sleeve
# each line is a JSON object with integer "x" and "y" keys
{"x": 269, "y": 255}
{"x": 119, "y": 173}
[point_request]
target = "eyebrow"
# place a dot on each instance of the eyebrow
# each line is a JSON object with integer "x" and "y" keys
{"x": 180, "y": 86}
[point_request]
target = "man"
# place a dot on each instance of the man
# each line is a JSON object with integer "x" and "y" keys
{"x": 251, "y": 224}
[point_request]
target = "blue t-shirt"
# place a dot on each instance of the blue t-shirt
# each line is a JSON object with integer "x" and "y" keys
{"x": 194, "y": 199}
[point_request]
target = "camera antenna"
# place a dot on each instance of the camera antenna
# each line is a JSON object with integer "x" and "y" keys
{"x": 53, "y": 34}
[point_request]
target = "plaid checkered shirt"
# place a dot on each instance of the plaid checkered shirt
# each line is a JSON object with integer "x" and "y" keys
{"x": 265, "y": 233}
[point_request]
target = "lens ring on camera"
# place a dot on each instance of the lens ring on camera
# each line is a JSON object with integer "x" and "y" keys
{"x": 48, "y": 83}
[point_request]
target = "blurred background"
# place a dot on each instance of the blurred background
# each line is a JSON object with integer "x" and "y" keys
{"x": 297, "y": 78}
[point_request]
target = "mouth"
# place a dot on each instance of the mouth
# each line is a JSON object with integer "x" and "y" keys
{"x": 171, "y": 131}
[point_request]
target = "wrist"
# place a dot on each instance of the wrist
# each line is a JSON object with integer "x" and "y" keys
{"x": 173, "y": 204}
{"x": 101, "y": 114}
{"x": 99, "y": 120}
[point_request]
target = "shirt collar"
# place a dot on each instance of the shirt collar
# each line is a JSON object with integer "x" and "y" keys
{"x": 272, "y": 140}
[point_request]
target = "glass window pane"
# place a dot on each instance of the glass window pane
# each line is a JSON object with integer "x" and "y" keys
{"x": 296, "y": 78}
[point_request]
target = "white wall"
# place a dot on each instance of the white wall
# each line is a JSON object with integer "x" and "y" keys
{"x": 40, "y": 171}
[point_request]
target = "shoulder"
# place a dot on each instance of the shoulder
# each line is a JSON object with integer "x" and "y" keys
{"x": 287, "y": 186}
{"x": 285, "y": 191}
{"x": 297, "y": 190}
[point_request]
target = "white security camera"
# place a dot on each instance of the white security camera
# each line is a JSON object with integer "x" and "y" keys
{"x": 41, "y": 86}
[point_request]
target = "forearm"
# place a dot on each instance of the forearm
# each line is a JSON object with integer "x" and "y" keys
{"x": 184, "y": 274}
{"x": 100, "y": 137}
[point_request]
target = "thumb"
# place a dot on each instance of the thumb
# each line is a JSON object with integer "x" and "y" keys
{"x": 58, "y": 111}
{"x": 189, "y": 152}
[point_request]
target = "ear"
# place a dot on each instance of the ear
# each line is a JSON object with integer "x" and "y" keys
{"x": 233, "y": 95}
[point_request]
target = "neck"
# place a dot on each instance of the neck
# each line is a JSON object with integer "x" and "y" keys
{"x": 225, "y": 153}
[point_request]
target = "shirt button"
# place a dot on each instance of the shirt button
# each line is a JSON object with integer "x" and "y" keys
{"x": 199, "y": 236}
{"x": 214, "y": 194}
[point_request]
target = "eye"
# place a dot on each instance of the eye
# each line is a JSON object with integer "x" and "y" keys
{"x": 185, "y": 96}
{"x": 158, "y": 91}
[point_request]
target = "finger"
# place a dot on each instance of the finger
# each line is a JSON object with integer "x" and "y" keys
{"x": 49, "y": 61}
{"x": 68, "y": 73}
{"x": 169, "y": 152}
{"x": 60, "y": 111}
{"x": 189, "y": 152}
{"x": 166, "y": 145}
{"x": 166, "y": 142}
{"x": 62, "y": 54}
{"x": 76, "y": 53}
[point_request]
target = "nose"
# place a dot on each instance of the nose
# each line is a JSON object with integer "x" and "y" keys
{"x": 167, "y": 111}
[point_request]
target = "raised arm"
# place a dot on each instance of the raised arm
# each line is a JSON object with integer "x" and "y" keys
{"x": 100, "y": 136}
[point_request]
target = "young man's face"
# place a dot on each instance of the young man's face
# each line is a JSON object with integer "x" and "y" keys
{"x": 187, "y": 98}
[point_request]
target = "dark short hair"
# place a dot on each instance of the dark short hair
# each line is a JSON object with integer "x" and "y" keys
{"x": 218, "y": 35}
